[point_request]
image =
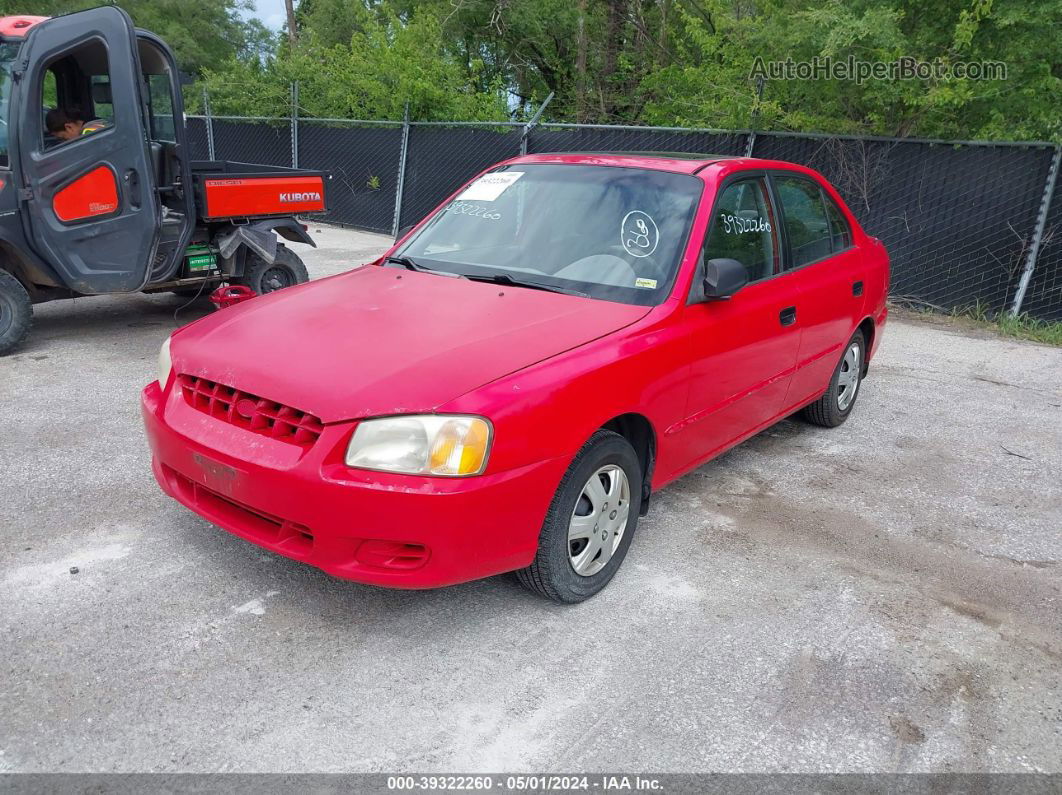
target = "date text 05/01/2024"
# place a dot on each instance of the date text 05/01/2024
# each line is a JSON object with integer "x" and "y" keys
{"x": 522, "y": 783}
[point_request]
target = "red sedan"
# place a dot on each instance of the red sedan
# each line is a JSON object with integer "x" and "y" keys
{"x": 507, "y": 387}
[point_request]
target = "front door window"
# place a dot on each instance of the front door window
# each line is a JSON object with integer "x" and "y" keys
{"x": 744, "y": 228}
{"x": 75, "y": 95}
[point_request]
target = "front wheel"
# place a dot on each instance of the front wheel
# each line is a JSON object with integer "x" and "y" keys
{"x": 836, "y": 404}
{"x": 286, "y": 270}
{"x": 16, "y": 313}
{"x": 590, "y": 523}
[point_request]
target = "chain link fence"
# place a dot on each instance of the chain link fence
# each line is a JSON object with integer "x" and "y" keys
{"x": 957, "y": 219}
{"x": 364, "y": 161}
{"x": 1044, "y": 297}
{"x": 441, "y": 158}
{"x": 618, "y": 138}
{"x": 967, "y": 224}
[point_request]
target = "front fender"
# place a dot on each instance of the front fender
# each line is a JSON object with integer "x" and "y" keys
{"x": 550, "y": 409}
{"x": 287, "y": 228}
{"x": 260, "y": 237}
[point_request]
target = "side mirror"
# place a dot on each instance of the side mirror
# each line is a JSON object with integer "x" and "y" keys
{"x": 723, "y": 278}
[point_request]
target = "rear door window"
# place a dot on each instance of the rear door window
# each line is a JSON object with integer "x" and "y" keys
{"x": 806, "y": 224}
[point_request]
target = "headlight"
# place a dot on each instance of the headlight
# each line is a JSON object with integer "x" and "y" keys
{"x": 165, "y": 366}
{"x": 429, "y": 444}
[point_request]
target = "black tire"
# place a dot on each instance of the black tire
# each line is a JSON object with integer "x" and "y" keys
{"x": 827, "y": 410}
{"x": 287, "y": 270}
{"x": 16, "y": 313}
{"x": 552, "y": 573}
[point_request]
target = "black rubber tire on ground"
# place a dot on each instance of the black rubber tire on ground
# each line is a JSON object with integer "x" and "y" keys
{"x": 826, "y": 411}
{"x": 287, "y": 270}
{"x": 551, "y": 574}
{"x": 16, "y": 313}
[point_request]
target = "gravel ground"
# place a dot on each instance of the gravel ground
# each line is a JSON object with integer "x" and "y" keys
{"x": 884, "y": 596}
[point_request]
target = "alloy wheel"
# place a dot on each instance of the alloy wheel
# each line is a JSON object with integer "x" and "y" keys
{"x": 599, "y": 520}
{"x": 848, "y": 378}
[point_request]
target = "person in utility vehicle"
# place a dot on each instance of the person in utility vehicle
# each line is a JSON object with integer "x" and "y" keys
{"x": 68, "y": 125}
{"x": 117, "y": 204}
{"x": 508, "y": 386}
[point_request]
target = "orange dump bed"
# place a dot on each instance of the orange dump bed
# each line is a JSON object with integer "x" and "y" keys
{"x": 249, "y": 195}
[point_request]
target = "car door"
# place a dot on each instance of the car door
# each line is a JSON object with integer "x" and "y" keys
{"x": 90, "y": 204}
{"x": 829, "y": 274}
{"x": 743, "y": 350}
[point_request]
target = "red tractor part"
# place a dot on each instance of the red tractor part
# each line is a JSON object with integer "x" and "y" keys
{"x": 231, "y": 295}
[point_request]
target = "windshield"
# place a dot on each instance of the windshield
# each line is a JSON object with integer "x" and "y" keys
{"x": 8, "y": 51}
{"x": 611, "y": 233}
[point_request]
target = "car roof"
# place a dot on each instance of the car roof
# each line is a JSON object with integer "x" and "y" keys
{"x": 709, "y": 167}
{"x": 679, "y": 162}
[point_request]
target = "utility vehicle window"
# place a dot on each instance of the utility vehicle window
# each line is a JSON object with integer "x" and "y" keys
{"x": 805, "y": 220}
{"x": 76, "y": 95}
{"x": 744, "y": 228}
{"x": 840, "y": 232}
{"x": 611, "y": 233}
{"x": 160, "y": 101}
{"x": 50, "y": 91}
{"x": 7, "y": 57}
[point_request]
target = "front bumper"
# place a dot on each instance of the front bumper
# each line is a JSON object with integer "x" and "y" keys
{"x": 371, "y": 527}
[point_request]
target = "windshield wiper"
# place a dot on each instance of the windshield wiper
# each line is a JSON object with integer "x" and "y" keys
{"x": 411, "y": 264}
{"x": 505, "y": 278}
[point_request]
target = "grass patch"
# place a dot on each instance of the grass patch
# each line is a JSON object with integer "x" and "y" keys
{"x": 1029, "y": 328}
{"x": 1021, "y": 326}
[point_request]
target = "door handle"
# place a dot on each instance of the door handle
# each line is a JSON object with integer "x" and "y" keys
{"x": 857, "y": 288}
{"x": 132, "y": 180}
{"x": 787, "y": 316}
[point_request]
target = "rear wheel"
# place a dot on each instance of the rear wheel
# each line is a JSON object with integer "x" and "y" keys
{"x": 590, "y": 523}
{"x": 286, "y": 270}
{"x": 836, "y": 404}
{"x": 16, "y": 313}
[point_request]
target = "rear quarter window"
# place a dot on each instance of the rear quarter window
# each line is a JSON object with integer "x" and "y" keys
{"x": 840, "y": 231}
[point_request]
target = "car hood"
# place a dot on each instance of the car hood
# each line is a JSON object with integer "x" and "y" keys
{"x": 379, "y": 341}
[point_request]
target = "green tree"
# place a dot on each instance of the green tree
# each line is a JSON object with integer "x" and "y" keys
{"x": 388, "y": 61}
{"x": 708, "y": 81}
{"x": 202, "y": 33}
{"x": 670, "y": 62}
{"x": 591, "y": 54}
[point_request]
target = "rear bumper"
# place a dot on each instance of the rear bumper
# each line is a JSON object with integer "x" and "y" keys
{"x": 879, "y": 328}
{"x": 392, "y": 530}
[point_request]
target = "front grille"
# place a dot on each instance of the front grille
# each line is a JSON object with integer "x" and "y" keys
{"x": 254, "y": 413}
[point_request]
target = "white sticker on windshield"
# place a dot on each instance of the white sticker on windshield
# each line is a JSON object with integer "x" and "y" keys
{"x": 650, "y": 283}
{"x": 490, "y": 186}
{"x": 639, "y": 234}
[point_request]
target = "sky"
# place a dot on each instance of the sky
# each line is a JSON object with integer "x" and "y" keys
{"x": 271, "y": 12}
